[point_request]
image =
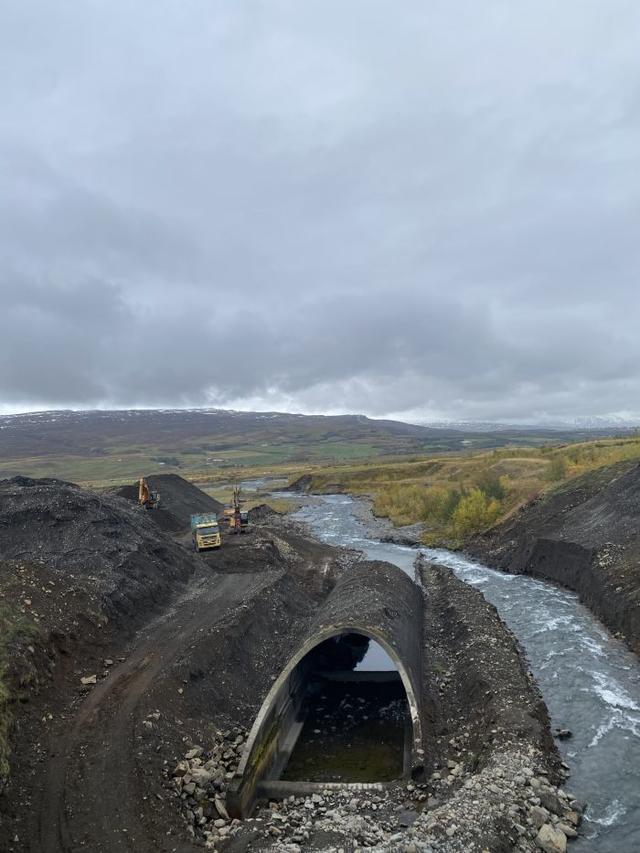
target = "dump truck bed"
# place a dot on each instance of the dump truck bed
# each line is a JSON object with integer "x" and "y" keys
{"x": 203, "y": 518}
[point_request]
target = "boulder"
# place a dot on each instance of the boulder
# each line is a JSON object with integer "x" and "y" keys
{"x": 552, "y": 802}
{"x": 539, "y": 816}
{"x": 200, "y": 776}
{"x": 569, "y": 831}
{"x": 551, "y": 840}
{"x": 181, "y": 769}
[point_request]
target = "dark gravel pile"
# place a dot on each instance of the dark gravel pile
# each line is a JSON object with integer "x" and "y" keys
{"x": 262, "y": 512}
{"x": 109, "y": 543}
{"x": 179, "y": 500}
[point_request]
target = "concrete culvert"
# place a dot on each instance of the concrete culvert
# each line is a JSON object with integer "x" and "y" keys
{"x": 352, "y": 686}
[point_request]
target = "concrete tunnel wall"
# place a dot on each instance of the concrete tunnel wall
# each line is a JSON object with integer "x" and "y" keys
{"x": 374, "y": 599}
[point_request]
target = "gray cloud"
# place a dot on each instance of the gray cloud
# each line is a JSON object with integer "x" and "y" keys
{"x": 429, "y": 212}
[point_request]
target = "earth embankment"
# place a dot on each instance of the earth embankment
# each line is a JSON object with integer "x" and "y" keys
{"x": 585, "y": 535}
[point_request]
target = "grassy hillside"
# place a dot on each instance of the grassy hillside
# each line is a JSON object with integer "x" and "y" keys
{"x": 109, "y": 448}
{"x": 457, "y": 496}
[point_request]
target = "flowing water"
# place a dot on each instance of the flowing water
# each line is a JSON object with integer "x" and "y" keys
{"x": 590, "y": 681}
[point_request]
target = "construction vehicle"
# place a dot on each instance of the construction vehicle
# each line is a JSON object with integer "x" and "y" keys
{"x": 148, "y": 498}
{"x": 205, "y": 531}
{"x": 237, "y": 518}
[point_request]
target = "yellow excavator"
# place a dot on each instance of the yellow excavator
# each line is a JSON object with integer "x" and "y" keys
{"x": 148, "y": 498}
{"x": 237, "y": 518}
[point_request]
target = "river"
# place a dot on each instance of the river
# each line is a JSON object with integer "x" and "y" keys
{"x": 589, "y": 680}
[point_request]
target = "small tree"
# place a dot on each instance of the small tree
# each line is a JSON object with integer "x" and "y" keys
{"x": 451, "y": 499}
{"x": 438, "y": 504}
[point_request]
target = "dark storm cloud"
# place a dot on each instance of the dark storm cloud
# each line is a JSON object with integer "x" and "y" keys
{"x": 321, "y": 206}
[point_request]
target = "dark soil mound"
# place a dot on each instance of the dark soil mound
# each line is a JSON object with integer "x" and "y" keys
{"x": 262, "y": 512}
{"x": 101, "y": 541}
{"x": 128, "y": 492}
{"x": 584, "y": 535}
{"x": 302, "y": 484}
{"x": 179, "y": 500}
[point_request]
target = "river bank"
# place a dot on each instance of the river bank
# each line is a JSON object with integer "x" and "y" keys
{"x": 584, "y": 536}
{"x": 590, "y": 682}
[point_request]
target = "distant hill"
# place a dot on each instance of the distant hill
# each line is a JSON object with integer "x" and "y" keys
{"x": 116, "y": 446}
{"x": 86, "y": 432}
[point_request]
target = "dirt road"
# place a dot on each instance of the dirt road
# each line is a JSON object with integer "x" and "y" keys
{"x": 90, "y": 796}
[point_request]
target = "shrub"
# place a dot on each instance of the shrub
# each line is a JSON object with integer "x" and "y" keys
{"x": 474, "y": 512}
{"x": 491, "y": 484}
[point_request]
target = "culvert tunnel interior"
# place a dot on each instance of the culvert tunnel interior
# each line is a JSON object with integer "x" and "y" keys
{"x": 353, "y": 723}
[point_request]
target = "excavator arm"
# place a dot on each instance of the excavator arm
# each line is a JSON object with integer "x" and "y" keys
{"x": 143, "y": 492}
{"x": 146, "y": 497}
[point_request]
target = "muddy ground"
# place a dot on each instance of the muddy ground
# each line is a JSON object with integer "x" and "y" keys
{"x": 177, "y": 651}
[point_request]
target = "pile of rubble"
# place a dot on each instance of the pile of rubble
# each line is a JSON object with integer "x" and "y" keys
{"x": 200, "y": 781}
{"x": 456, "y": 811}
{"x": 337, "y": 819}
{"x": 464, "y": 809}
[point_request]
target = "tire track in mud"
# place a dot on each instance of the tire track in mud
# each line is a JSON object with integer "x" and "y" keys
{"x": 90, "y": 797}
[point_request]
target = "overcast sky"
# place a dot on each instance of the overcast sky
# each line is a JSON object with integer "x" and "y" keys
{"x": 429, "y": 209}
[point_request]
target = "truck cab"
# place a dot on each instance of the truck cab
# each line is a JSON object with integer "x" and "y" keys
{"x": 206, "y": 532}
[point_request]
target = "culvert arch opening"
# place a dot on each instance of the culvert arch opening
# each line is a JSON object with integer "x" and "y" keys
{"x": 356, "y": 725}
{"x": 343, "y": 711}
